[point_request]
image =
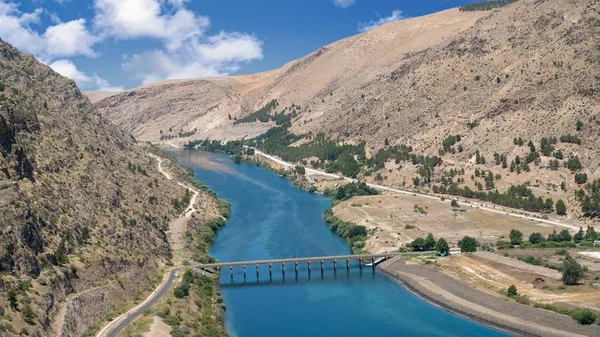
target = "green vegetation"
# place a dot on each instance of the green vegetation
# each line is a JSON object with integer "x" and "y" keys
{"x": 193, "y": 309}
{"x": 224, "y": 208}
{"x": 356, "y": 235}
{"x": 261, "y": 115}
{"x": 573, "y": 164}
{"x": 486, "y": 5}
{"x": 180, "y": 134}
{"x": 579, "y": 125}
{"x": 561, "y": 208}
{"x": 468, "y": 244}
{"x": 350, "y": 190}
{"x": 516, "y": 237}
{"x": 589, "y": 198}
{"x": 519, "y": 196}
{"x": 512, "y": 291}
{"x": 570, "y": 139}
{"x": 581, "y": 178}
{"x": 181, "y": 204}
{"x": 442, "y": 246}
{"x": 572, "y": 272}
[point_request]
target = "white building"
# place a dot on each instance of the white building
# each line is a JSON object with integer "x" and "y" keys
{"x": 454, "y": 251}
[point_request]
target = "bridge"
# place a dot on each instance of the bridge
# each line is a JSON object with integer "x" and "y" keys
{"x": 374, "y": 259}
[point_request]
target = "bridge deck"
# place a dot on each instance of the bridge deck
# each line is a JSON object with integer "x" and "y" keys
{"x": 300, "y": 259}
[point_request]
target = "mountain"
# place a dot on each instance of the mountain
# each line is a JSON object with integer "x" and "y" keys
{"x": 83, "y": 208}
{"x": 528, "y": 69}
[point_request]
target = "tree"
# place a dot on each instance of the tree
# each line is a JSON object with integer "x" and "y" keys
{"x": 442, "y": 246}
{"x": 429, "y": 242}
{"x": 237, "y": 158}
{"x": 590, "y": 233}
{"x": 564, "y": 235}
{"x": 561, "y": 208}
{"x": 535, "y": 238}
{"x": 12, "y": 299}
{"x": 454, "y": 203}
{"x": 516, "y": 237}
{"x": 418, "y": 244}
{"x": 581, "y": 178}
{"x": 578, "y": 237}
{"x": 468, "y": 244}
{"x": 512, "y": 291}
{"x": 571, "y": 271}
{"x": 300, "y": 170}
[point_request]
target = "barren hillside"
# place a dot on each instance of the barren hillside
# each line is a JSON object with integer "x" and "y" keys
{"x": 83, "y": 209}
{"x": 530, "y": 70}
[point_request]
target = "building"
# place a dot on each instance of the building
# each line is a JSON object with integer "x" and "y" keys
{"x": 454, "y": 251}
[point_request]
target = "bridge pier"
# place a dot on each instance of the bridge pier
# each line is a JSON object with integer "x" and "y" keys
{"x": 334, "y": 266}
{"x": 347, "y": 264}
{"x": 373, "y": 264}
{"x": 270, "y": 270}
{"x": 296, "y": 267}
{"x": 321, "y": 267}
{"x": 231, "y": 273}
{"x": 257, "y": 276}
{"x": 360, "y": 264}
{"x": 308, "y": 267}
{"x": 244, "y": 273}
{"x": 283, "y": 268}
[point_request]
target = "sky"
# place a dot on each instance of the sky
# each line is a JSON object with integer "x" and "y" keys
{"x": 121, "y": 44}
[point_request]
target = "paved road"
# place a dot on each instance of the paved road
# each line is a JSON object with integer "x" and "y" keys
{"x": 116, "y": 326}
{"x": 480, "y": 206}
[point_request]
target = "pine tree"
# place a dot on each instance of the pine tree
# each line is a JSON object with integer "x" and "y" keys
{"x": 561, "y": 208}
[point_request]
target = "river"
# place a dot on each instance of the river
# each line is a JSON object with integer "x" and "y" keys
{"x": 272, "y": 219}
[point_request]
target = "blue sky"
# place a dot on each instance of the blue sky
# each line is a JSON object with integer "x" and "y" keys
{"x": 116, "y": 44}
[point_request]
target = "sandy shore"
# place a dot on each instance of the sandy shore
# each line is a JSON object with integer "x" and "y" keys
{"x": 501, "y": 313}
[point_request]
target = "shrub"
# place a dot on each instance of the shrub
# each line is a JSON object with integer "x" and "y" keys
{"x": 584, "y": 317}
{"x": 512, "y": 291}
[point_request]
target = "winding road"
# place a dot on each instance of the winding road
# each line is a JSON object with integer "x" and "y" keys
{"x": 177, "y": 229}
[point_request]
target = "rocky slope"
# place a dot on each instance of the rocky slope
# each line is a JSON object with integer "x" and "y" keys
{"x": 83, "y": 209}
{"x": 530, "y": 69}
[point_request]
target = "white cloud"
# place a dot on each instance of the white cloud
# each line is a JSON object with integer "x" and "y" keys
{"x": 215, "y": 56}
{"x": 70, "y": 38}
{"x": 95, "y": 82}
{"x": 395, "y": 16}
{"x": 185, "y": 49}
{"x": 61, "y": 40}
{"x": 343, "y": 3}
{"x": 129, "y": 19}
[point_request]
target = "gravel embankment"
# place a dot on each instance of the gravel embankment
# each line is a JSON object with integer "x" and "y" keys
{"x": 462, "y": 299}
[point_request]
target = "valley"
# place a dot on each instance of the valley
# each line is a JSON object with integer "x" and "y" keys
{"x": 459, "y": 147}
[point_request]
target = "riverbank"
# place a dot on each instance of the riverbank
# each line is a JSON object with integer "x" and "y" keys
{"x": 202, "y": 213}
{"x": 453, "y": 295}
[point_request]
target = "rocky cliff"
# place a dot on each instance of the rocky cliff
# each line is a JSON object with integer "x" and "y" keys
{"x": 83, "y": 209}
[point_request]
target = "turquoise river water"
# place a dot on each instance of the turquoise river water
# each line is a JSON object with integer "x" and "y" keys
{"x": 272, "y": 219}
